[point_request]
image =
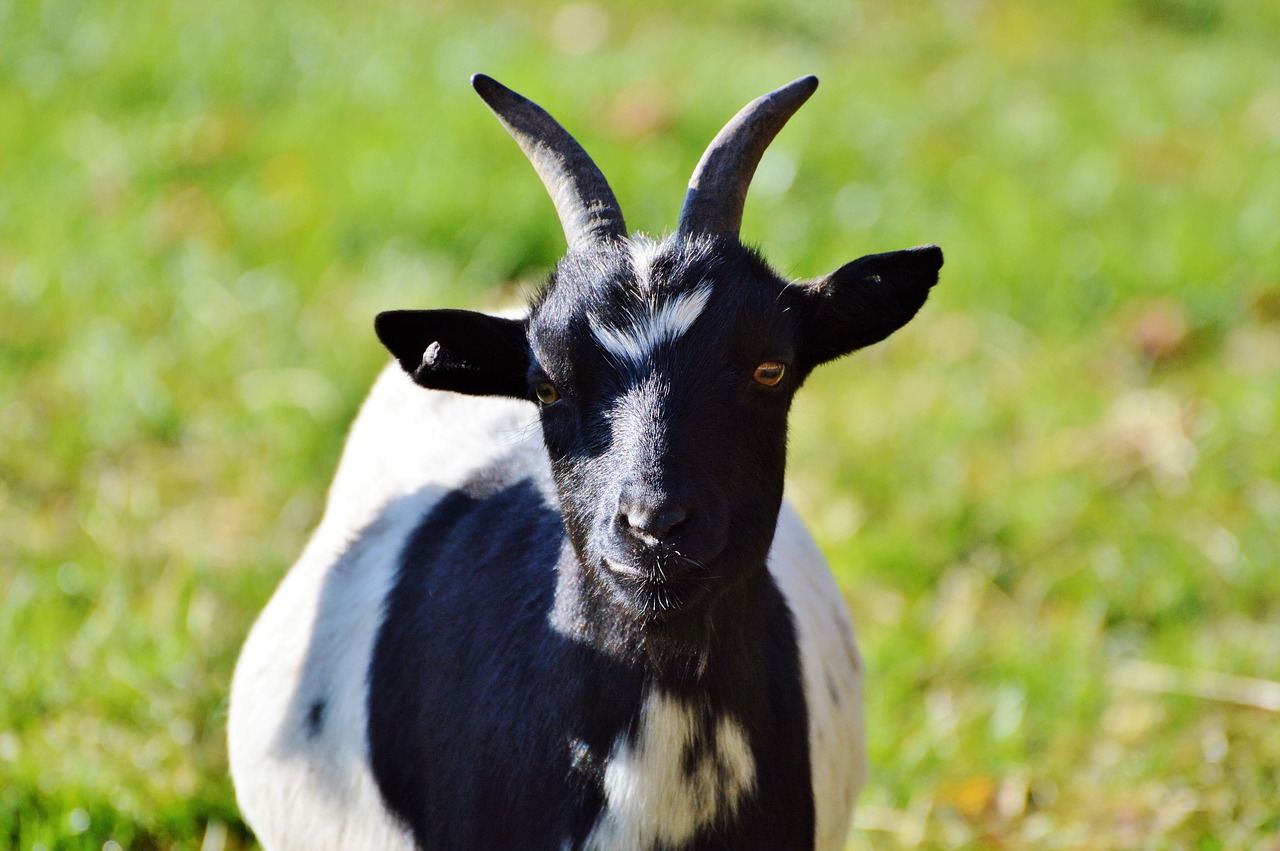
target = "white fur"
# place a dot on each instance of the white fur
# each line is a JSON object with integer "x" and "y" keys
{"x": 650, "y": 324}
{"x": 643, "y": 250}
{"x": 651, "y": 800}
{"x": 407, "y": 448}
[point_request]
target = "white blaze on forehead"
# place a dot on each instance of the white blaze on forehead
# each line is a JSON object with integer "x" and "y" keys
{"x": 649, "y": 324}
{"x": 650, "y": 318}
{"x": 643, "y": 252}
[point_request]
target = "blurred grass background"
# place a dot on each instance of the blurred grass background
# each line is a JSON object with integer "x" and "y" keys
{"x": 1053, "y": 500}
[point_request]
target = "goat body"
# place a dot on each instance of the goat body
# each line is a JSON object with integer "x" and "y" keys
{"x": 592, "y": 623}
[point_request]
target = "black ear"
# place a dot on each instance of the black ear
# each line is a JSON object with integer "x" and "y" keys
{"x": 459, "y": 350}
{"x": 864, "y": 301}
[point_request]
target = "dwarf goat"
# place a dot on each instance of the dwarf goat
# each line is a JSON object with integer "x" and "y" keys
{"x": 564, "y": 605}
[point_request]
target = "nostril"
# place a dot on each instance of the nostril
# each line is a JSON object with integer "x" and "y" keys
{"x": 664, "y": 521}
{"x": 653, "y": 523}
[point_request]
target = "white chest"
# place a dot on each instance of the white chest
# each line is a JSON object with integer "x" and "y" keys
{"x": 677, "y": 774}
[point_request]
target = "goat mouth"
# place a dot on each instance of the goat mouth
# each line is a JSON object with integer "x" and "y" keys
{"x": 658, "y": 569}
{"x": 660, "y": 586}
{"x": 626, "y": 570}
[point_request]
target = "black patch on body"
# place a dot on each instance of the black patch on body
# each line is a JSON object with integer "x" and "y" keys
{"x": 488, "y": 728}
{"x": 315, "y": 718}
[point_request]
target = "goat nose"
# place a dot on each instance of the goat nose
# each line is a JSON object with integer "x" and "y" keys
{"x": 650, "y": 522}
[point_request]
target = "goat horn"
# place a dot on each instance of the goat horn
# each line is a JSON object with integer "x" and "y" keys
{"x": 718, "y": 189}
{"x": 588, "y": 210}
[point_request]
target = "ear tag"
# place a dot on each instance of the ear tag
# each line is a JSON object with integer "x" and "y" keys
{"x": 432, "y": 355}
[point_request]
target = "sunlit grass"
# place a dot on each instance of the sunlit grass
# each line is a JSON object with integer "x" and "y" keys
{"x": 1064, "y": 470}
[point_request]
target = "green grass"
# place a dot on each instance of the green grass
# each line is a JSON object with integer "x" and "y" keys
{"x": 1053, "y": 501}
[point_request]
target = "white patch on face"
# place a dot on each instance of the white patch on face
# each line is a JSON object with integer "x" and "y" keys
{"x": 650, "y": 320}
{"x": 653, "y": 798}
{"x": 649, "y": 325}
{"x": 643, "y": 251}
{"x": 637, "y": 429}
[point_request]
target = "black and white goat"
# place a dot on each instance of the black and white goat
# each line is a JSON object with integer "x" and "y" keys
{"x": 565, "y": 605}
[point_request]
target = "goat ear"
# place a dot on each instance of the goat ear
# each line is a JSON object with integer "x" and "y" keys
{"x": 459, "y": 350}
{"x": 864, "y": 301}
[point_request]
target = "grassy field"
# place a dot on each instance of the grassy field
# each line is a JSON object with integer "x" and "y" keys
{"x": 1053, "y": 501}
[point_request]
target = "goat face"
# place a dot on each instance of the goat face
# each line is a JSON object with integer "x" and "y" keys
{"x": 667, "y": 449}
{"x": 663, "y": 370}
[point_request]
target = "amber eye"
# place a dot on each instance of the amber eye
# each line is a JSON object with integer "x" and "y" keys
{"x": 546, "y": 392}
{"x": 769, "y": 373}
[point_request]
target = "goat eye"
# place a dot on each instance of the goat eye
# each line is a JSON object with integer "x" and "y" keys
{"x": 546, "y": 392}
{"x": 769, "y": 373}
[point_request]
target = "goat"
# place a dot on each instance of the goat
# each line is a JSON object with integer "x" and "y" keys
{"x": 565, "y": 605}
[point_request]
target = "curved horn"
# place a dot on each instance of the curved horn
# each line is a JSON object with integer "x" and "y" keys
{"x": 587, "y": 208}
{"x": 718, "y": 188}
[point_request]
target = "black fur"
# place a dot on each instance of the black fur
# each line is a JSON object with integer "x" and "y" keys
{"x": 865, "y": 301}
{"x": 457, "y": 350}
{"x": 315, "y": 718}
{"x": 489, "y": 724}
